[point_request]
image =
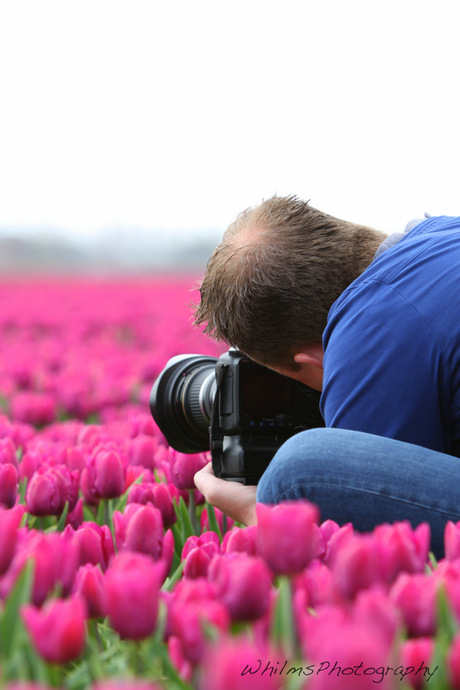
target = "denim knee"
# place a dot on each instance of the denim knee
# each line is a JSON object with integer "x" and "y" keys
{"x": 299, "y": 459}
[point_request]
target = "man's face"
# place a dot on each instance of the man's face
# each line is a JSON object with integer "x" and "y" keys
{"x": 307, "y": 367}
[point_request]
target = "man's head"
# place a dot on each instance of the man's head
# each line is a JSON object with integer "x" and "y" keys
{"x": 270, "y": 283}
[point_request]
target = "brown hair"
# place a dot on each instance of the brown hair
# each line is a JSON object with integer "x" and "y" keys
{"x": 270, "y": 283}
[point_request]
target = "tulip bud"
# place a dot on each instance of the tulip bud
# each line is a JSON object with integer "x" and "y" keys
{"x": 8, "y": 452}
{"x": 287, "y": 535}
{"x": 243, "y": 583}
{"x": 89, "y": 585}
{"x": 417, "y": 654}
{"x": 93, "y": 543}
{"x": 132, "y": 589}
{"x": 9, "y": 523}
{"x": 58, "y": 629}
{"x": 8, "y": 485}
{"x": 415, "y": 596}
{"x": 452, "y": 540}
{"x": 184, "y": 466}
{"x": 50, "y": 488}
{"x": 240, "y": 663}
{"x": 109, "y": 475}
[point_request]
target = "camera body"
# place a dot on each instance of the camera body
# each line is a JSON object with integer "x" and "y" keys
{"x": 238, "y": 409}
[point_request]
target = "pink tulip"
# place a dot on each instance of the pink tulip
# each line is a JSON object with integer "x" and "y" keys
{"x": 33, "y": 408}
{"x": 241, "y": 539}
{"x": 417, "y": 654}
{"x": 193, "y": 605}
{"x": 288, "y": 535}
{"x": 58, "y": 629}
{"x": 8, "y": 485}
{"x": 357, "y": 565}
{"x": 197, "y": 563}
{"x": 402, "y": 548}
{"x": 184, "y": 466}
{"x": 142, "y": 450}
{"x": 75, "y": 517}
{"x": 243, "y": 583}
{"x": 176, "y": 654}
{"x": 208, "y": 541}
{"x": 89, "y": 585}
{"x": 93, "y": 543}
{"x": 316, "y": 582}
{"x": 8, "y": 452}
{"x": 452, "y": 540}
{"x": 54, "y": 560}
{"x": 132, "y": 585}
{"x": 415, "y": 596}
{"x": 103, "y": 476}
{"x": 345, "y": 652}
{"x": 9, "y": 523}
{"x": 238, "y": 663}
{"x": 198, "y": 553}
{"x": 139, "y": 528}
{"x": 50, "y": 488}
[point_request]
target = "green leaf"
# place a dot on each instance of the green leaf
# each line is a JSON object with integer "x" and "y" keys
{"x": 283, "y": 633}
{"x": 60, "y": 525}
{"x": 11, "y": 625}
{"x": 212, "y": 520}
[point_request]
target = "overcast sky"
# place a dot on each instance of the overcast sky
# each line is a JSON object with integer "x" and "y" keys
{"x": 176, "y": 115}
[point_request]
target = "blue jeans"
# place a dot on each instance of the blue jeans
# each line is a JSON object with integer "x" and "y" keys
{"x": 367, "y": 480}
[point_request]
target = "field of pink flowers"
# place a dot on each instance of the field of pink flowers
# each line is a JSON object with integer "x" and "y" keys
{"x": 113, "y": 570}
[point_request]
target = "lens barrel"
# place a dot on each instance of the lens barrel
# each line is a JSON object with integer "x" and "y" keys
{"x": 181, "y": 401}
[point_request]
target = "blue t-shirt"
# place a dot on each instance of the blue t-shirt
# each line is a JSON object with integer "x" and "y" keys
{"x": 392, "y": 343}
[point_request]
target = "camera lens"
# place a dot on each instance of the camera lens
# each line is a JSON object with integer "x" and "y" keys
{"x": 181, "y": 401}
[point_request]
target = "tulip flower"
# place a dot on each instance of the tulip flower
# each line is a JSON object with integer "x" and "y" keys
{"x": 402, "y": 548}
{"x": 132, "y": 584}
{"x": 357, "y": 565}
{"x": 452, "y": 540}
{"x": 50, "y": 488}
{"x": 8, "y": 452}
{"x": 89, "y": 585}
{"x": 93, "y": 543}
{"x": 198, "y": 553}
{"x": 9, "y": 523}
{"x": 209, "y": 541}
{"x": 142, "y": 450}
{"x": 8, "y": 485}
{"x": 184, "y": 466}
{"x": 192, "y": 606}
{"x": 417, "y": 654}
{"x": 54, "y": 560}
{"x": 103, "y": 476}
{"x": 288, "y": 535}
{"x": 238, "y": 663}
{"x": 243, "y": 583}
{"x": 241, "y": 539}
{"x": 58, "y": 629}
{"x": 33, "y": 408}
{"x": 415, "y": 596}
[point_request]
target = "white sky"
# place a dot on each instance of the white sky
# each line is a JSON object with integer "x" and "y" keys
{"x": 175, "y": 115}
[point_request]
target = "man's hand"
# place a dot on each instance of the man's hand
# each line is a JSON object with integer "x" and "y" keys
{"x": 236, "y": 500}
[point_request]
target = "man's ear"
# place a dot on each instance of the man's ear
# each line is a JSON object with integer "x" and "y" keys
{"x": 311, "y": 355}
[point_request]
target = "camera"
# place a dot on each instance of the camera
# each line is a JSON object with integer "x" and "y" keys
{"x": 238, "y": 409}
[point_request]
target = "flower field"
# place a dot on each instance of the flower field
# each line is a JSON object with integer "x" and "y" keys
{"x": 114, "y": 572}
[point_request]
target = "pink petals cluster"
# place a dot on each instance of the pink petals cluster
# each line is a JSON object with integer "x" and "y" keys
{"x": 117, "y": 568}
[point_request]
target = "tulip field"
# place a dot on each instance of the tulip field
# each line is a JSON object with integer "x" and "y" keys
{"x": 115, "y": 573}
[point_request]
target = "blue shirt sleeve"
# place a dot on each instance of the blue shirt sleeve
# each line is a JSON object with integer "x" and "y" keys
{"x": 383, "y": 370}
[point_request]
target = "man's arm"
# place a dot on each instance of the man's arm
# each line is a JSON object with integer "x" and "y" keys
{"x": 236, "y": 500}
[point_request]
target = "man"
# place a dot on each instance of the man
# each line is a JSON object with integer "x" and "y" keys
{"x": 374, "y": 323}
